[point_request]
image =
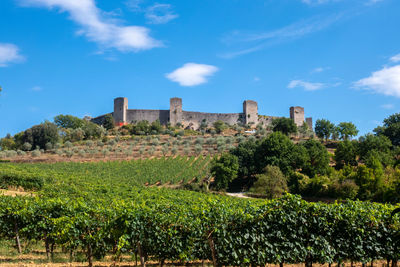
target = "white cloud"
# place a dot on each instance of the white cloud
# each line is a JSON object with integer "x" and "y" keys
{"x": 385, "y": 81}
{"x": 395, "y": 58}
{"x": 36, "y": 89}
{"x": 108, "y": 33}
{"x": 160, "y": 14}
{"x": 9, "y": 53}
{"x": 308, "y": 86}
{"x": 387, "y": 106}
{"x": 254, "y": 42}
{"x": 192, "y": 74}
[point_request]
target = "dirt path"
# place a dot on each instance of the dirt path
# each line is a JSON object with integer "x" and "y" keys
{"x": 240, "y": 195}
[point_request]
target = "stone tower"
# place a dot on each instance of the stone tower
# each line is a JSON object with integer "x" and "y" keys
{"x": 250, "y": 112}
{"x": 120, "y": 110}
{"x": 297, "y": 115}
{"x": 175, "y": 110}
{"x": 309, "y": 123}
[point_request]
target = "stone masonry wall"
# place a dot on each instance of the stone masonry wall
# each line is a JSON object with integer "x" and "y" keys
{"x": 193, "y": 120}
{"x": 136, "y": 115}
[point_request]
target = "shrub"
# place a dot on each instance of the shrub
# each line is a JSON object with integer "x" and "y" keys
{"x": 26, "y": 146}
{"x": 271, "y": 183}
{"x": 36, "y": 153}
{"x": 49, "y": 146}
{"x": 40, "y": 135}
{"x": 284, "y": 125}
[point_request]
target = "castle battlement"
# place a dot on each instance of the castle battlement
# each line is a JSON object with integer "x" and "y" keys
{"x": 192, "y": 119}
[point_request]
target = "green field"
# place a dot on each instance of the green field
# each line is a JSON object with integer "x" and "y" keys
{"x": 93, "y": 210}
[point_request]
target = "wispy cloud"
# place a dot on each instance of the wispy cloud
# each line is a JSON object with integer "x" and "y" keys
{"x": 160, "y": 14}
{"x": 96, "y": 27}
{"x": 192, "y": 74}
{"x": 385, "y": 81}
{"x": 387, "y": 106}
{"x": 255, "y": 42}
{"x": 36, "y": 88}
{"x": 395, "y": 58}
{"x": 320, "y": 69}
{"x": 9, "y": 53}
{"x": 307, "y": 86}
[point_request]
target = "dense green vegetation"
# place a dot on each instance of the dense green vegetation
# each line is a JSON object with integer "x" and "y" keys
{"x": 161, "y": 224}
{"x": 112, "y": 176}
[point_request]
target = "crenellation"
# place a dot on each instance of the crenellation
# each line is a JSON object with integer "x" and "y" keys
{"x": 192, "y": 119}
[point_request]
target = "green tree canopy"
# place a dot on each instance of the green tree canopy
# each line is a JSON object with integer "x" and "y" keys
{"x": 40, "y": 135}
{"x": 317, "y": 161}
{"x": 284, "y": 125}
{"x": 391, "y": 129}
{"x": 346, "y": 154}
{"x": 224, "y": 169}
{"x": 379, "y": 145}
{"x": 323, "y": 128}
{"x": 347, "y": 130}
{"x": 278, "y": 150}
{"x": 219, "y": 126}
{"x": 271, "y": 183}
{"x": 108, "y": 122}
{"x": 68, "y": 121}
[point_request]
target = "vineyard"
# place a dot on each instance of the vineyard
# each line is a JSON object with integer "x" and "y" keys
{"x": 103, "y": 209}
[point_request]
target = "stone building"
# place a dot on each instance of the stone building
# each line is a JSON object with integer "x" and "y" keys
{"x": 192, "y": 119}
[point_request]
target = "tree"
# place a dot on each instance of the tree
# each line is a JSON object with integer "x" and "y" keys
{"x": 323, "y": 128}
{"x": 224, "y": 169}
{"x": 219, "y": 126}
{"x": 7, "y": 143}
{"x": 347, "y": 130}
{"x": 40, "y": 135}
{"x": 156, "y": 127}
{"x": 245, "y": 152}
{"x": 390, "y": 129}
{"x": 271, "y": 183}
{"x": 346, "y": 154}
{"x": 278, "y": 150}
{"x": 380, "y": 146}
{"x": 68, "y": 121}
{"x": 284, "y": 125}
{"x": 317, "y": 161}
{"x": 108, "y": 122}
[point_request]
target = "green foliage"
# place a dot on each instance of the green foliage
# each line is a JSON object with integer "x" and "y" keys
{"x": 324, "y": 128}
{"x": 20, "y": 179}
{"x": 271, "y": 183}
{"x": 68, "y": 121}
{"x": 93, "y": 131}
{"x": 346, "y": 154}
{"x": 317, "y": 160}
{"x": 284, "y": 125}
{"x": 40, "y": 135}
{"x": 224, "y": 169}
{"x": 380, "y": 146}
{"x": 219, "y": 126}
{"x": 7, "y": 143}
{"x": 391, "y": 129}
{"x": 278, "y": 150}
{"x": 347, "y": 130}
{"x": 108, "y": 122}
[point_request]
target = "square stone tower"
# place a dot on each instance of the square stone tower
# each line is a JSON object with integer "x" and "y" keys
{"x": 120, "y": 110}
{"x": 250, "y": 112}
{"x": 297, "y": 115}
{"x": 175, "y": 110}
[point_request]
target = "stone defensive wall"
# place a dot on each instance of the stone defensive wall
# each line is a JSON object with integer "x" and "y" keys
{"x": 192, "y": 120}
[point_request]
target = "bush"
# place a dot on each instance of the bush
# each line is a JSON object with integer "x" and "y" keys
{"x": 271, "y": 183}
{"x": 36, "y": 153}
{"x": 219, "y": 126}
{"x": 16, "y": 179}
{"x": 68, "y": 121}
{"x": 26, "y": 146}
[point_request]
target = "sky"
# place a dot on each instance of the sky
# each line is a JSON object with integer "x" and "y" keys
{"x": 339, "y": 59}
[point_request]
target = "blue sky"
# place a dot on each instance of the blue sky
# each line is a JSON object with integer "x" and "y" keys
{"x": 339, "y": 59}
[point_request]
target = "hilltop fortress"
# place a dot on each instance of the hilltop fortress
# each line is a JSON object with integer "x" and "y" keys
{"x": 192, "y": 120}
